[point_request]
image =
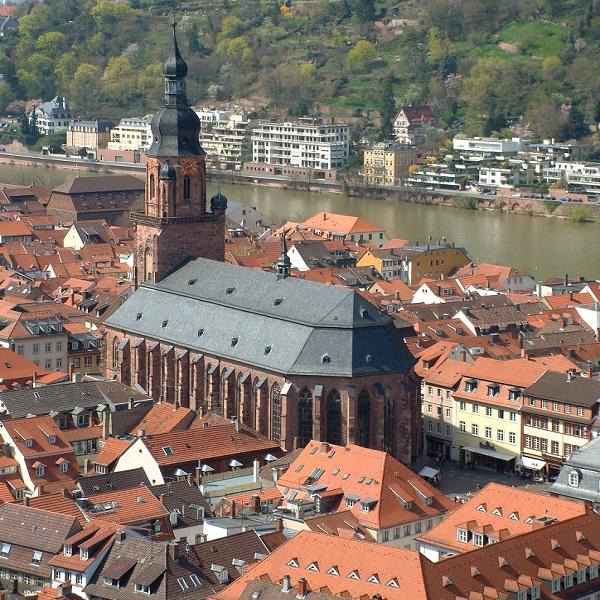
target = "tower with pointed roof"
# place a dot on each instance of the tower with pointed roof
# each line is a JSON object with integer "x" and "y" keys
{"x": 176, "y": 224}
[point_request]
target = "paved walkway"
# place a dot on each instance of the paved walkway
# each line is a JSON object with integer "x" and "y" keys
{"x": 456, "y": 482}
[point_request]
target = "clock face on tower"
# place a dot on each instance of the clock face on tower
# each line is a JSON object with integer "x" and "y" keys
{"x": 188, "y": 166}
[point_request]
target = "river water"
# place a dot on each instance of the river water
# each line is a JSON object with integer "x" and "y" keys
{"x": 539, "y": 245}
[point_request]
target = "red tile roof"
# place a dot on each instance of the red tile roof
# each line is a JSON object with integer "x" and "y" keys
{"x": 164, "y": 417}
{"x": 502, "y": 511}
{"x": 112, "y": 449}
{"x": 338, "y": 566}
{"x": 130, "y": 506}
{"x": 214, "y": 442}
{"x": 365, "y": 474}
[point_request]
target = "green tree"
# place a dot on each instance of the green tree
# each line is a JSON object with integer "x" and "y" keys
{"x": 108, "y": 13}
{"x": 51, "y": 44}
{"x": 149, "y": 83}
{"x": 65, "y": 70}
{"x": 231, "y": 27}
{"x": 86, "y": 87}
{"x": 7, "y": 95}
{"x": 119, "y": 80}
{"x": 359, "y": 57}
{"x": 364, "y": 10}
{"x": 32, "y": 24}
{"x": 387, "y": 108}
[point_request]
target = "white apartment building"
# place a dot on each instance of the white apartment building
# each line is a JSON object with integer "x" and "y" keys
{"x": 131, "y": 134}
{"x": 490, "y": 146}
{"x": 208, "y": 115}
{"x": 307, "y": 143}
{"x": 578, "y": 176}
{"x": 497, "y": 177}
{"x": 53, "y": 117}
{"x": 226, "y": 142}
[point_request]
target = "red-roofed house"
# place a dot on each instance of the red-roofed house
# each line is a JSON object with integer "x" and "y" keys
{"x": 45, "y": 457}
{"x": 391, "y": 502}
{"x": 345, "y": 227}
{"x": 411, "y": 123}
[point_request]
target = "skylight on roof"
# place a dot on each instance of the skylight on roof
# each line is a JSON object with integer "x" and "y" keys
{"x": 168, "y": 451}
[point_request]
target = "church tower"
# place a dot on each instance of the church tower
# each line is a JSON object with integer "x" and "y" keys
{"x": 176, "y": 223}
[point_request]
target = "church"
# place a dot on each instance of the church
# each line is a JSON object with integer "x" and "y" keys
{"x": 292, "y": 359}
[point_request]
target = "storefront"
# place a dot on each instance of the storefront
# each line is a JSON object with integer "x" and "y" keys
{"x": 530, "y": 467}
{"x": 437, "y": 447}
{"x": 485, "y": 457}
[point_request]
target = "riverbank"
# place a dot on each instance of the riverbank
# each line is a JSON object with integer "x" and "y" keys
{"x": 462, "y": 200}
{"x": 544, "y": 247}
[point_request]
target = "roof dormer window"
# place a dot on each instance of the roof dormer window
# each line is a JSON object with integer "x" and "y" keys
{"x": 471, "y": 385}
{"x": 493, "y": 389}
{"x": 68, "y": 550}
{"x": 84, "y": 553}
{"x": 574, "y": 479}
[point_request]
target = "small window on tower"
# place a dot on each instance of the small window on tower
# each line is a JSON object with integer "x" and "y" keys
{"x": 186, "y": 188}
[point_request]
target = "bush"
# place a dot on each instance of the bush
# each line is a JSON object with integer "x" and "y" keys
{"x": 580, "y": 214}
{"x": 465, "y": 202}
{"x": 552, "y": 205}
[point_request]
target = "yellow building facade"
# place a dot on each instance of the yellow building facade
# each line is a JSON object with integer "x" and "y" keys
{"x": 386, "y": 164}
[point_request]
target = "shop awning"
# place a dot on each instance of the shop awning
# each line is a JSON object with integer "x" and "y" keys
{"x": 489, "y": 452}
{"x": 428, "y": 472}
{"x": 530, "y": 463}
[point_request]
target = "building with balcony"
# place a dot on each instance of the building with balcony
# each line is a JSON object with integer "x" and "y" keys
{"x": 311, "y": 143}
{"x": 386, "y": 163}
{"x": 131, "y": 134}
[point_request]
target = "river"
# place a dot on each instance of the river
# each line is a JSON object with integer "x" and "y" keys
{"x": 539, "y": 245}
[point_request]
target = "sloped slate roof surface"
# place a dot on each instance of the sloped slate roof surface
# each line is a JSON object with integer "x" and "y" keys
{"x": 286, "y": 325}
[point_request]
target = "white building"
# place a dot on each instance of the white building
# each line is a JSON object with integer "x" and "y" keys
{"x": 498, "y": 177}
{"x": 225, "y": 141}
{"x": 131, "y": 134}
{"x": 53, "y": 117}
{"x": 578, "y": 176}
{"x": 490, "y": 146}
{"x": 207, "y": 114}
{"x": 305, "y": 143}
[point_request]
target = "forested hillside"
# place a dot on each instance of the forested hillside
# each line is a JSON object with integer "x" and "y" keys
{"x": 484, "y": 65}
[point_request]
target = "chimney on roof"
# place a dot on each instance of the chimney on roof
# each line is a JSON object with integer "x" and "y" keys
{"x": 64, "y": 590}
{"x": 176, "y": 550}
{"x": 285, "y": 584}
{"x": 198, "y": 477}
{"x": 65, "y": 493}
{"x": 566, "y": 279}
{"x": 569, "y": 376}
{"x": 161, "y": 498}
{"x": 302, "y": 586}
{"x": 233, "y": 510}
{"x": 141, "y": 433}
{"x": 325, "y": 447}
{"x": 26, "y": 500}
{"x": 190, "y": 478}
{"x": 278, "y": 524}
{"x": 130, "y": 402}
{"x": 255, "y": 503}
{"x": 121, "y": 535}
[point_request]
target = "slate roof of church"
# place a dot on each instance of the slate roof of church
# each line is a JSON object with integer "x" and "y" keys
{"x": 288, "y": 325}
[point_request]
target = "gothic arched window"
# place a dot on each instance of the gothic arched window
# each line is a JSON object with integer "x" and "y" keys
{"x": 333, "y": 418}
{"x": 152, "y": 186}
{"x": 305, "y": 417}
{"x": 115, "y": 352}
{"x": 363, "y": 416}
{"x": 148, "y": 266}
{"x": 389, "y": 425}
{"x": 276, "y": 413}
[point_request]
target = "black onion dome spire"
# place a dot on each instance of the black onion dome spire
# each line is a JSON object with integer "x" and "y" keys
{"x": 175, "y": 127}
{"x": 175, "y": 67}
{"x": 218, "y": 202}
